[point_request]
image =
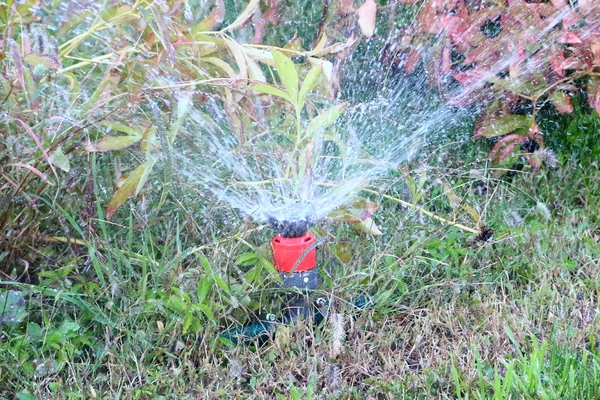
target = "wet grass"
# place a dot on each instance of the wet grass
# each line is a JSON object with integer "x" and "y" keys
{"x": 133, "y": 307}
{"x": 135, "y": 310}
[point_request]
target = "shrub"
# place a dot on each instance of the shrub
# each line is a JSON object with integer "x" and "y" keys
{"x": 511, "y": 59}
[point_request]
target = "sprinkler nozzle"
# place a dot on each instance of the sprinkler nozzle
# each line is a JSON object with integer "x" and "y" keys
{"x": 291, "y": 220}
{"x": 296, "y": 260}
{"x": 294, "y": 254}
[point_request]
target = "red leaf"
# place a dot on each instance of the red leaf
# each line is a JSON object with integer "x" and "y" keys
{"x": 592, "y": 89}
{"x": 569, "y": 38}
{"x": 446, "y": 60}
{"x": 412, "y": 61}
{"x": 345, "y": 7}
{"x": 270, "y": 16}
{"x": 367, "y": 16}
{"x": 515, "y": 66}
{"x": 427, "y": 18}
{"x": 507, "y": 150}
{"x": 489, "y": 51}
{"x": 535, "y": 161}
{"x": 572, "y": 63}
{"x": 595, "y": 48}
{"x": 570, "y": 19}
{"x": 472, "y": 76}
{"x": 562, "y": 102}
{"x": 556, "y": 61}
{"x": 586, "y": 6}
{"x": 526, "y": 17}
{"x": 462, "y": 100}
{"x": 482, "y": 16}
{"x": 543, "y": 9}
{"x": 558, "y": 4}
{"x": 506, "y": 144}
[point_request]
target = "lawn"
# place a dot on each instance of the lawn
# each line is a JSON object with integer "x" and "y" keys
{"x": 119, "y": 275}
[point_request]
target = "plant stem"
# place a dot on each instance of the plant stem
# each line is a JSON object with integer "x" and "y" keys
{"x": 422, "y": 210}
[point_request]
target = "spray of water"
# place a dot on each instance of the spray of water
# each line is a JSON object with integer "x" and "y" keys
{"x": 254, "y": 172}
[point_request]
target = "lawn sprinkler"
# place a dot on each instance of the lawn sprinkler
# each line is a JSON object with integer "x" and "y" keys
{"x": 295, "y": 258}
{"x": 294, "y": 247}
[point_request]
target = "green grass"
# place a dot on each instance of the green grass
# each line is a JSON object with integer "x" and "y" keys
{"x": 137, "y": 312}
{"x": 132, "y": 307}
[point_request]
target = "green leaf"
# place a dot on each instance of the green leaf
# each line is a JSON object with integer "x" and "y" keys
{"x": 191, "y": 324}
{"x": 131, "y": 130}
{"x": 254, "y": 71}
{"x": 253, "y": 275}
{"x": 145, "y": 176}
{"x": 268, "y": 265}
{"x": 34, "y": 330}
{"x": 176, "y": 304}
{"x": 207, "y": 311}
{"x": 272, "y": 90}
{"x": 183, "y": 109}
{"x": 129, "y": 188}
{"x": 25, "y": 396}
{"x": 247, "y": 259}
{"x": 67, "y": 328}
{"x": 35, "y": 59}
{"x": 503, "y": 125}
{"x": 326, "y": 118}
{"x": 239, "y": 57}
{"x": 220, "y": 282}
{"x": 203, "y": 287}
{"x": 310, "y": 82}
{"x": 359, "y": 210}
{"x": 562, "y": 102}
{"x": 59, "y": 159}
{"x": 110, "y": 143}
{"x": 288, "y": 74}
{"x": 73, "y": 84}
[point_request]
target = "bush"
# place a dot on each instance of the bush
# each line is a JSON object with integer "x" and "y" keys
{"x": 510, "y": 59}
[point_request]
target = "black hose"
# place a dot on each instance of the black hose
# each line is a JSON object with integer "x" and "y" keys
{"x": 262, "y": 330}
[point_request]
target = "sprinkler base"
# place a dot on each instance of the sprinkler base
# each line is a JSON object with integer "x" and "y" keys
{"x": 301, "y": 280}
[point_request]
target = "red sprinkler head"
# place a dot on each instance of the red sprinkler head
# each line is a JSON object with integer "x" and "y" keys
{"x": 299, "y": 252}
{"x": 294, "y": 248}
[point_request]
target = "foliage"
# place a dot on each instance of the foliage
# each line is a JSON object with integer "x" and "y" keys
{"x": 133, "y": 307}
{"x": 509, "y": 58}
{"x": 117, "y": 82}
